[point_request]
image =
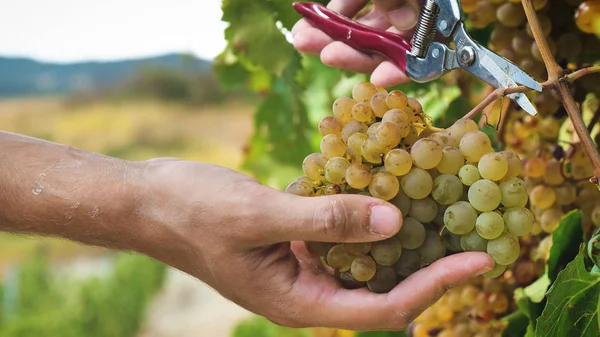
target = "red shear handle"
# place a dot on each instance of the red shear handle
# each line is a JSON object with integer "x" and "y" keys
{"x": 354, "y": 34}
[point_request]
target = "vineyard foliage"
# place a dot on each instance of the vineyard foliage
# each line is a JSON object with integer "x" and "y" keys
{"x": 297, "y": 91}
{"x": 38, "y": 302}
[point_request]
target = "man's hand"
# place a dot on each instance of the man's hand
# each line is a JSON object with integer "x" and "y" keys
{"x": 245, "y": 240}
{"x": 398, "y": 16}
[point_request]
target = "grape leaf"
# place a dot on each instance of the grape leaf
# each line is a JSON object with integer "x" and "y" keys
{"x": 572, "y": 303}
{"x": 566, "y": 240}
{"x": 518, "y": 324}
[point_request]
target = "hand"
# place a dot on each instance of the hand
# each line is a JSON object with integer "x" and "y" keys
{"x": 398, "y": 16}
{"x": 245, "y": 240}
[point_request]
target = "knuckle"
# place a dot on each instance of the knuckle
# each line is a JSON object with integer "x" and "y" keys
{"x": 331, "y": 219}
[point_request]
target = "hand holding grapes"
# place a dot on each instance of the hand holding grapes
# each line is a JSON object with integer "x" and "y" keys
{"x": 398, "y": 16}
{"x": 245, "y": 240}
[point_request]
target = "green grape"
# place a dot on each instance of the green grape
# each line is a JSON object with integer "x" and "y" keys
{"x": 474, "y": 145}
{"x": 550, "y": 219}
{"x": 493, "y": 166}
{"x": 339, "y": 259}
{"x": 411, "y": 234}
{"x": 502, "y": 36}
{"x": 373, "y": 151}
{"x": 452, "y": 241}
{"x": 423, "y": 210}
{"x": 356, "y": 140}
{"x": 398, "y": 162}
{"x": 335, "y": 170}
{"x": 362, "y": 112}
{"x": 351, "y": 128}
{"x": 330, "y": 125}
{"x": 498, "y": 270}
{"x": 378, "y": 105}
{"x": 489, "y": 225}
{"x": 358, "y": 176}
{"x": 473, "y": 242}
{"x": 433, "y": 248}
{"x": 332, "y": 146}
{"x": 514, "y": 192}
{"x": 504, "y": 249}
{"x": 469, "y": 174}
{"x": 342, "y": 109}
{"x": 566, "y": 194}
{"x": 439, "y": 217}
{"x": 386, "y": 252}
{"x": 385, "y": 280}
{"x": 452, "y": 161}
{"x": 484, "y": 195}
{"x": 396, "y": 99}
{"x": 314, "y": 166}
{"x": 402, "y": 201}
{"x": 389, "y": 134}
{"x": 363, "y": 91}
{"x": 515, "y": 165}
{"x": 357, "y": 249}
{"x": 519, "y": 220}
{"x": 409, "y": 263}
{"x": 460, "y": 218}
{"x": 426, "y": 153}
{"x": 384, "y": 185}
{"x": 363, "y": 268}
{"x": 460, "y": 128}
{"x": 447, "y": 189}
{"x": 417, "y": 183}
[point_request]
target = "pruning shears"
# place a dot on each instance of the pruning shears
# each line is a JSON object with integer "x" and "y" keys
{"x": 422, "y": 58}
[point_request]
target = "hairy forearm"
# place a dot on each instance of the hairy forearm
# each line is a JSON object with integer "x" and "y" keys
{"x": 54, "y": 190}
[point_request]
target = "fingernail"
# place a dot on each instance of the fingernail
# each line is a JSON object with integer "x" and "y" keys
{"x": 403, "y": 18}
{"x": 384, "y": 220}
{"x": 484, "y": 270}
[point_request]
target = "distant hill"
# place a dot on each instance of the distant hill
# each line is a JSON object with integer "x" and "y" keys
{"x": 27, "y": 77}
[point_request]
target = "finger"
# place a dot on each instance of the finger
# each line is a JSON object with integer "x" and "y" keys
{"x": 311, "y": 40}
{"x": 387, "y": 74}
{"x": 340, "y": 55}
{"x": 335, "y": 218}
{"x": 163, "y": 159}
{"x": 402, "y": 14}
{"x": 365, "y": 311}
{"x": 305, "y": 257}
{"x": 347, "y": 8}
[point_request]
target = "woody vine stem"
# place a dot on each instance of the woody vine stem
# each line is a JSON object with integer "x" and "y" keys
{"x": 558, "y": 80}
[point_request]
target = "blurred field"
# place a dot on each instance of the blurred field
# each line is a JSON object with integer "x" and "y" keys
{"x": 135, "y": 130}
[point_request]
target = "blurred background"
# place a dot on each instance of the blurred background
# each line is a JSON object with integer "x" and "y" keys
{"x": 202, "y": 80}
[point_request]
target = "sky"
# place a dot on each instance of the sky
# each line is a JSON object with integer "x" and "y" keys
{"x": 83, "y": 30}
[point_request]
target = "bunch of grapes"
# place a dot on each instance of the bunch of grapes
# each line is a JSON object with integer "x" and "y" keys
{"x": 467, "y": 310}
{"x": 454, "y": 191}
{"x": 567, "y": 24}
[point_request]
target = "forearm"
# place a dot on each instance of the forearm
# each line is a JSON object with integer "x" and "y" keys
{"x": 55, "y": 190}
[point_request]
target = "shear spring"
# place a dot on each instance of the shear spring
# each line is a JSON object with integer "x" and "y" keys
{"x": 425, "y": 32}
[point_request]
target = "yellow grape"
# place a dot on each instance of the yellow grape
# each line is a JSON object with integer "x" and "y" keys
{"x": 550, "y": 219}
{"x": 460, "y": 128}
{"x": 587, "y": 16}
{"x": 398, "y": 162}
{"x": 396, "y": 99}
{"x": 335, "y": 170}
{"x": 515, "y": 165}
{"x": 534, "y": 167}
{"x": 363, "y": 91}
{"x": 358, "y": 176}
{"x": 342, "y": 109}
{"x": 361, "y": 112}
{"x": 384, "y": 185}
{"x": 351, "y": 128}
{"x": 474, "y": 145}
{"x": 373, "y": 151}
{"x": 332, "y": 146}
{"x": 314, "y": 166}
{"x": 452, "y": 161}
{"x": 378, "y": 105}
{"x": 356, "y": 141}
{"x": 330, "y": 125}
{"x": 493, "y": 166}
{"x": 389, "y": 134}
{"x": 426, "y": 153}
{"x": 553, "y": 175}
{"x": 542, "y": 197}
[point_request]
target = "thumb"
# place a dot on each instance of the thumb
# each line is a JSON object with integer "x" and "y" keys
{"x": 402, "y": 14}
{"x": 333, "y": 218}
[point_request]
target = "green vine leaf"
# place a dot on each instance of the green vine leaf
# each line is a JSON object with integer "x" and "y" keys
{"x": 566, "y": 240}
{"x": 573, "y": 303}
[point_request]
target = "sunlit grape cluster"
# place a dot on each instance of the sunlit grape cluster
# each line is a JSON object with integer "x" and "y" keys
{"x": 468, "y": 310}
{"x": 567, "y": 24}
{"x": 454, "y": 191}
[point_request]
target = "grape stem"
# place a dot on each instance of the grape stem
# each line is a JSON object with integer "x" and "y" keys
{"x": 558, "y": 80}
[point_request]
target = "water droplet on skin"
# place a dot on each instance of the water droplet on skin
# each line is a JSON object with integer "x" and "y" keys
{"x": 37, "y": 191}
